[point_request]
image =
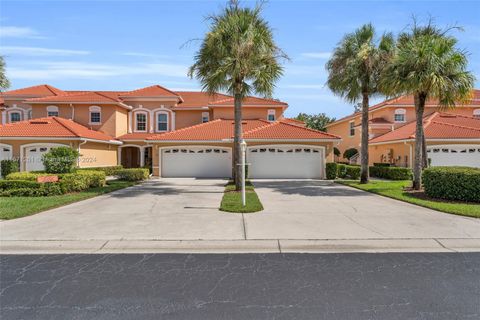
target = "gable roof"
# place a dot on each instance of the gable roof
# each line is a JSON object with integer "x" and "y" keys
{"x": 438, "y": 125}
{"x": 195, "y": 99}
{"x": 52, "y": 127}
{"x": 90, "y": 97}
{"x": 223, "y": 130}
{"x": 40, "y": 91}
{"x": 152, "y": 91}
{"x": 407, "y": 100}
{"x": 248, "y": 101}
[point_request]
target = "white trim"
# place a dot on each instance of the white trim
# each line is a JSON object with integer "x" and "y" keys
{"x": 271, "y": 112}
{"x": 82, "y": 102}
{"x": 167, "y": 114}
{"x": 144, "y": 112}
{"x": 400, "y": 111}
{"x": 62, "y": 138}
{"x": 52, "y": 108}
{"x": 350, "y": 128}
{"x": 94, "y": 109}
{"x": 476, "y": 113}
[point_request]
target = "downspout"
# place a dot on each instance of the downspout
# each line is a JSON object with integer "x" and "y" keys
{"x": 81, "y": 143}
{"x": 73, "y": 112}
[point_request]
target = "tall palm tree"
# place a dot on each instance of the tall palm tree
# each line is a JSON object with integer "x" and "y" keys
{"x": 428, "y": 65}
{"x": 354, "y": 74}
{"x": 4, "y": 83}
{"x": 239, "y": 56}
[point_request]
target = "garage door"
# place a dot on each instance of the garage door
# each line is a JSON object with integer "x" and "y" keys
{"x": 197, "y": 162}
{"x": 285, "y": 162}
{"x": 454, "y": 155}
{"x": 5, "y": 153}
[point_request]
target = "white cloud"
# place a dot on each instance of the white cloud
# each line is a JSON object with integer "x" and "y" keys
{"x": 85, "y": 70}
{"x": 37, "y": 51}
{"x": 317, "y": 55}
{"x": 19, "y": 32}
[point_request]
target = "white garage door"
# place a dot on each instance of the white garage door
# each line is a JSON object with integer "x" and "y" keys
{"x": 271, "y": 162}
{"x": 197, "y": 162}
{"x": 454, "y": 155}
{"x": 5, "y": 153}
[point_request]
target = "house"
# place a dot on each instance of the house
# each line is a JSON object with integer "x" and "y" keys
{"x": 452, "y": 135}
{"x": 176, "y": 133}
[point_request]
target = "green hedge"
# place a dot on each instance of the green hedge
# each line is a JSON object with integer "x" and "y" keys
{"x": 381, "y": 164}
{"x": 41, "y": 190}
{"x": 341, "y": 170}
{"x": 452, "y": 183}
{"x": 9, "y": 166}
{"x": 15, "y": 184}
{"x": 348, "y": 171}
{"x": 32, "y": 176}
{"x": 109, "y": 171}
{"x": 391, "y": 173}
{"x": 331, "y": 170}
{"x": 134, "y": 174}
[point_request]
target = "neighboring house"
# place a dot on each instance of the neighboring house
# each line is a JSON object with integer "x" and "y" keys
{"x": 177, "y": 133}
{"x": 392, "y": 140}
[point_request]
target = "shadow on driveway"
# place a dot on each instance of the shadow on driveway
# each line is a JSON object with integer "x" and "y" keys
{"x": 309, "y": 188}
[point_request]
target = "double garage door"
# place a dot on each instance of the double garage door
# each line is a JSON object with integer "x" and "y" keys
{"x": 454, "y": 155}
{"x": 265, "y": 162}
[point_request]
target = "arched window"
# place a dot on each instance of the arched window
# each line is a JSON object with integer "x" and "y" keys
{"x": 162, "y": 121}
{"x": 95, "y": 115}
{"x": 141, "y": 121}
{"x": 52, "y": 111}
{"x": 476, "y": 113}
{"x": 271, "y": 115}
{"x": 15, "y": 116}
{"x": 400, "y": 115}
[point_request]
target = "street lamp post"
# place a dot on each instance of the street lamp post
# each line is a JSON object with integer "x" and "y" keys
{"x": 243, "y": 146}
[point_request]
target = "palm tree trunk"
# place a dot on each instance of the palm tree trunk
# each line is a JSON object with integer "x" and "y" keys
{"x": 364, "y": 147}
{"x": 420, "y": 99}
{"x": 237, "y": 151}
{"x": 424, "y": 152}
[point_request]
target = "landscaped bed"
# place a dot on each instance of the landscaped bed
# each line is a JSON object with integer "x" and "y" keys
{"x": 17, "y": 207}
{"x": 232, "y": 200}
{"x": 399, "y": 190}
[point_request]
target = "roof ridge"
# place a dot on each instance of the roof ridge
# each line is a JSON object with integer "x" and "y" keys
{"x": 268, "y": 124}
{"x": 154, "y": 85}
{"x": 184, "y": 129}
{"x": 455, "y": 125}
{"x": 101, "y": 94}
{"x": 309, "y": 129}
{"x": 65, "y": 126}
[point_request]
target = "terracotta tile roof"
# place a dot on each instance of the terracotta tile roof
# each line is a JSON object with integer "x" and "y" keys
{"x": 93, "y": 97}
{"x": 407, "y": 100}
{"x": 152, "y": 91}
{"x": 192, "y": 99}
{"x": 136, "y": 136}
{"x": 252, "y": 101}
{"x": 218, "y": 130}
{"x": 294, "y": 122}
{"x": 437, "y": 125}
{"x": 51, "y": 127}
{"x": 40, "y": 90}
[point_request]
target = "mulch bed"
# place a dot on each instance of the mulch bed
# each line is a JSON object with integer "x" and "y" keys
{"x": 420, "y": 194}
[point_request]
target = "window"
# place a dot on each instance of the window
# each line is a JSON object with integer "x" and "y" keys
{"x": 141, "y": 122}
{"x": 162, "y": 122}
{"x": 476, "y": 113}
{"x": 95, "y": 115}
{"x": 52, "y": 111}
{"x": 15, "y": 116}
{"x": 271, "y": 115}
{"x": 352, "y": 128}
{"x": 205, "y": 117}
{"x": 29, "y": 114}
{"x": 399, "y": 115}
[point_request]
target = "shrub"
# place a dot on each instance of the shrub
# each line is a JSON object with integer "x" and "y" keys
{"x": 43, "y": 189}
{"x": 341, "y": 170}
{"x": 381, "y": 164}
{"x": 15, "y": 184}
{"x": 81, "y": 180}
{"x": 392, "y": 173}
{"x": 134, "y": 174}
{"x": 60, "y": 160}
{"x": 331, "y": 170}
{"x": 350, "y": 153}
{"x": 353, "y": 172}
{"x": 452, "y": 183}
{"x": 9, "y": 166}
{"x": 336, "y": 152}
{"x": 26, "y": 176}
{"x": 109, "y": 171}
{"x": 95, "y": 178}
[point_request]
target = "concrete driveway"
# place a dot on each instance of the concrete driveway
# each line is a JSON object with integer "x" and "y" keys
{"x": 299, "y": 214}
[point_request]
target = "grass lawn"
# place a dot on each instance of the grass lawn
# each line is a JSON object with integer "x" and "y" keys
{"x": 232, "y": 200}
{"x": 394, "y": 189}
{"x": 17, "y": 207}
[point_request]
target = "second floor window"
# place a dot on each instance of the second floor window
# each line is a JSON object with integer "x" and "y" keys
{"x": 15, "y": 116}
{"x": 476, "y": 113}
{"x": 162, "y": 122}
{"x": 352, "y": 128}
{"x": 95, "y": 115}
{"x": 205, "y": 117}
{"x": 52, "y": 111}
{"x": 271, "y": 115}
{"x": 399, "y": 115}
{"x": 141, "y": 122}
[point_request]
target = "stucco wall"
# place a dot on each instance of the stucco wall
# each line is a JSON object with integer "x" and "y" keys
{"x": 97, "y": 155}
{"x": 248, "y": 113}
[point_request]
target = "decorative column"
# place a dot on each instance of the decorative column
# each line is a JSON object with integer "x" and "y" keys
{"x": 129, "y": 122}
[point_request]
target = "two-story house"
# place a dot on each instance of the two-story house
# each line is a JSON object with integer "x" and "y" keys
{"x": 452, "y": 135}
{"x": 176, "y": 133}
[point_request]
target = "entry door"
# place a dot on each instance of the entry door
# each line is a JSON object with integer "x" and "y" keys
{"x": 197, "y": 162}
{"x": 285, "y": 162}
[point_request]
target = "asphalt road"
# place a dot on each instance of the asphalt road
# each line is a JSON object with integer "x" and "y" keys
{"x": 248, "y": 286}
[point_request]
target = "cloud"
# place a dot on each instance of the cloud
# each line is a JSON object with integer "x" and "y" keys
{"x": 19, "y": 32}
{"x": 84, "y": 70}
{"x": 317, "y": 55}
{"x": 37, "y": 51}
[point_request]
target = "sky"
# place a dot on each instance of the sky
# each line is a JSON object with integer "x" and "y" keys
{"x": 125, "y": 45}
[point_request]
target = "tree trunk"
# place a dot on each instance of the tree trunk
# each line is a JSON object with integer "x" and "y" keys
{"x": 424, "y": 152}
{"x": 237, "y": 151}
{"x": 420, "y": 99}
{"x": 364, "y": 145}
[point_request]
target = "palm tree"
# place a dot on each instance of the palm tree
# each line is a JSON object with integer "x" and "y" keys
{"x": 239, "y": 56}
{"x": 4, "y": 83}
{"x": 427, "y": 65}
{"x": 354, "y": 74}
